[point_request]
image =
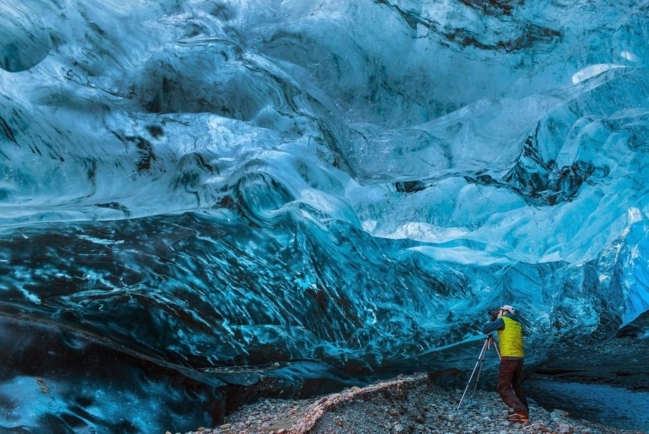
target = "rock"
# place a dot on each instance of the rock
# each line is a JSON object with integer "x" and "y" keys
{"x": 565, "y": 429}
{"x": 559, "y": 413}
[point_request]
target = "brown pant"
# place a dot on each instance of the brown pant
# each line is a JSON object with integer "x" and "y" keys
{"x": 509, "y": 385}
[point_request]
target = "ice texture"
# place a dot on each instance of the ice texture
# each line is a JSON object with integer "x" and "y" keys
{"x": 340, "y": 189}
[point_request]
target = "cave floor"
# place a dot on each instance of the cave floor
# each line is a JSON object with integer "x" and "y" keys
{"x": 406, "y": 404}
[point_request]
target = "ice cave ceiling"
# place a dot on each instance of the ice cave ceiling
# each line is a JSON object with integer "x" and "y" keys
{"x": 334, "y": 189}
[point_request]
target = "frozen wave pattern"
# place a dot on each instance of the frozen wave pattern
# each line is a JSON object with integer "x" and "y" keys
{"x": 209, "y": 184}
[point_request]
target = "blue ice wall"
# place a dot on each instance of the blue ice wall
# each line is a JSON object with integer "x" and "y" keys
{"x": 196, "y": 185}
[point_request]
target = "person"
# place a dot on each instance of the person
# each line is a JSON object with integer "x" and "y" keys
{"x": 512, "y": 354}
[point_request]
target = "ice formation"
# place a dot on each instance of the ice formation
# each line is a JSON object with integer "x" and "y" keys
{"x": 335, "y": 189}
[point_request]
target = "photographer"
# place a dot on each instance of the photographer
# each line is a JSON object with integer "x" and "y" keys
{"x": 510, "y": 343}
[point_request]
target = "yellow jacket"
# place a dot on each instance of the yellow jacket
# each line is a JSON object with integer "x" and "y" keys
{"x": 510, "y": 335}
{"x": 510, "y": 339}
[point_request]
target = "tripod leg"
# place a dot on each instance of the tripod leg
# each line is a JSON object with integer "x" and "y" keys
{"x": 478, "y": 363}
{"x": 490, "y": 341}
{"x": 477, "y": 378}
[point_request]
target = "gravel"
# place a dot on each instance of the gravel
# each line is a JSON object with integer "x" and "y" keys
{"x": 404, "y": 405}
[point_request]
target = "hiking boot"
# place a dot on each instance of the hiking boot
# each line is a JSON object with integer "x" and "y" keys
{"x": 518, "y": 418}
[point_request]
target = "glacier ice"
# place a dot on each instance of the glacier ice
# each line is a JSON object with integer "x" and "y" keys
{"x": 323, "y": 190}
{"x": 25, "y": 39}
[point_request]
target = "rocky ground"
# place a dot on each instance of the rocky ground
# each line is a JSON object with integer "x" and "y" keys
{"x": 407, "y": 404}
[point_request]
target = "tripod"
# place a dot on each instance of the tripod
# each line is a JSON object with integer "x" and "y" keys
{"x": 478, "y": 366}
